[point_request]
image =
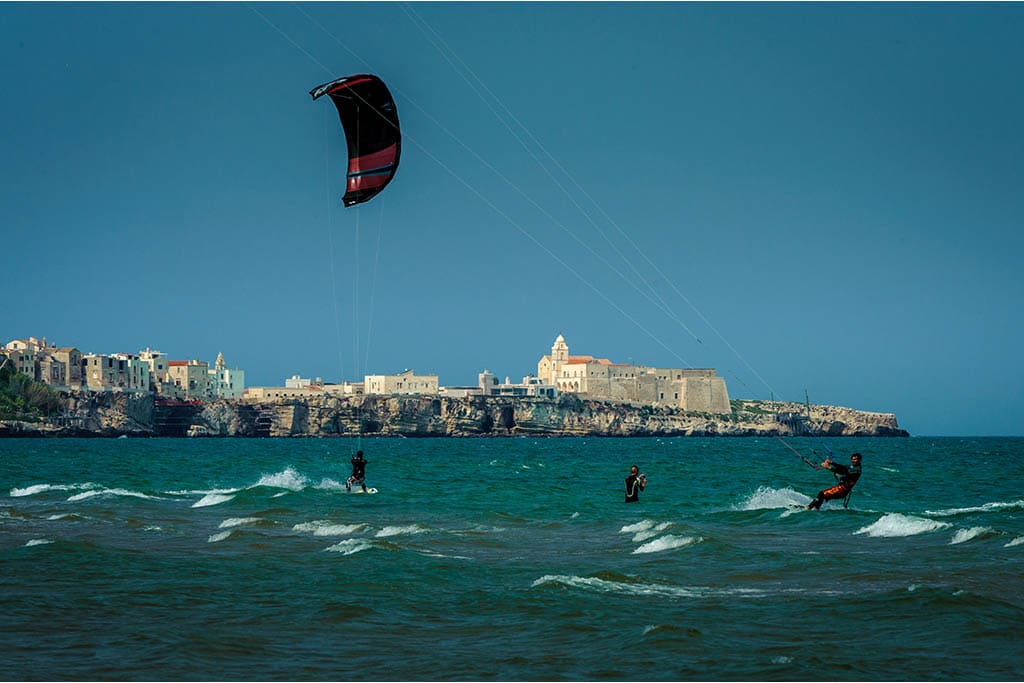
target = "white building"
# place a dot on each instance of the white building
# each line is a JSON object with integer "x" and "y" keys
{"x": 406, "y": 382}
{"x": 226, "y": 382}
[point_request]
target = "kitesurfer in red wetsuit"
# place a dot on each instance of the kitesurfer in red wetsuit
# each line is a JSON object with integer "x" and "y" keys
{"x": 848, "y": 476}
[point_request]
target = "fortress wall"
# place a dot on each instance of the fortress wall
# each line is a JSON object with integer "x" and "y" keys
{"x": 704, "y": 394}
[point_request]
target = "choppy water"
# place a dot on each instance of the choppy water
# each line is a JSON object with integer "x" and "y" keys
{"x": 509, "y": 559}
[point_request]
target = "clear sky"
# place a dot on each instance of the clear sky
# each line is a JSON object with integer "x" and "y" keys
{"x": 807, "y": 197}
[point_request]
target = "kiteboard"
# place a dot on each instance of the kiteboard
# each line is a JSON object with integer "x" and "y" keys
{"x": 368, "y": 490}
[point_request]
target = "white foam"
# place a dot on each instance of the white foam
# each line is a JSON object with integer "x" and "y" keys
{"x": 324, "y": 527}
{"x": 111, "y": 492}
{"x": 399, "y": 530}
{"x": 767, "y": 498}
{"x": 987, "y": 507}
{"x": 781, "y": 660}
{"x": 42, "y": 488}
{"x": 667, "y": 542}
{"x": 1017, "y": 541}
{"x": 218, "y": 537}
{"x": 238, "y": 521}
{"x": 288, "y": 478}
{"x": 605, "y": 586}
{"x": 63, "y": 515}
{"x": 201, "y": 492}
{"x": 574, "y": 515}
{"x": 211, "y": 499}
{"x": 350, "y": 546}
{"x": 38, "y": 541}
{"x": 963, "y": 535}
{"x": 652, "y": 532}
{"x": 430, "y": 553}
{"x": 153, "y": 528}
{"x": 642, "y": 525}
{"x": 329, "y": 485}
{"x": 895, "y": 525}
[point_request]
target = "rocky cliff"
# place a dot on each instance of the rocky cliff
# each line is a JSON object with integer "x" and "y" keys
{"x": 134, "y": 414}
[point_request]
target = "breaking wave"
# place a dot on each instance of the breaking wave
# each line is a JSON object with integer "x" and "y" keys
{"x": 964, "y": 535}
{"x": 399, "y": 530}
{"x": 667, "y": 542}
{"x": 767, "y": 498}
{"x": 987, "y": 507}
{"x": 211, "y": 499}
{"x": 43, "y": 488}
{"x": 594, "y": 583}
{"x": 239, "y": 521}
{"x": 326, "y": 528}
{"x": 111, "y": 492}
{"x": 895, "y": 525}
{"x": 350, "y": 546}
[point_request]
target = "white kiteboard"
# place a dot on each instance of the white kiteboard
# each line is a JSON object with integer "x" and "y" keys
{"x": 368, "y": 490}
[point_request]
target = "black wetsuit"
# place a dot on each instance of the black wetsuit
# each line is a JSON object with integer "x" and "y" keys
{"x": 634, "y": 485}
{"x": 358, "y": 473}
{"x": 848, "y": 476}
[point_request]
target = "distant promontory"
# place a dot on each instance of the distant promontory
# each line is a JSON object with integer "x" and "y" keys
{"x": 117, "y": 414}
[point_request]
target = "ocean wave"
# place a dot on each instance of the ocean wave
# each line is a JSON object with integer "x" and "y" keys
{"x": 38, "y": 541}
{"x": 327, "y": 484}
{"x": 43, "y": 488}
{"x": 200, "y": 492}
{"x": 642, "y": 525}
{"x": 964, "y": 535}
{"x": 598, "y": 584}
{"x": 324, "y": 527}
{"x": 987, "y": 507}
{"x": 767, "y": 498}
{"x": 652, "y": 532}
{"x": 351, "y": 546}
{"x": 289, "y": 478}
{"x": 1017, "y": 541}
{"x": 239, "y": 521}
{"x": 667, "y": 542}
{"x": 219, "y": 536}
{"x": 895, "y": 525}
{"x": 211, "y": 499}
{"x": 399, "y": 530}
{"x": 111, "y": 492}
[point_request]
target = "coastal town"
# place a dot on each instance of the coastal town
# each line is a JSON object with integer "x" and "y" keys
{"x": 67, "y": 369}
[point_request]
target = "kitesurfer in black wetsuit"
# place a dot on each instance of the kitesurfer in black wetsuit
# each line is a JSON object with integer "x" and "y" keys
{"x": 848, "y": 476}
{"x": 358, "y": 472}
{"x": 635, "y": 483}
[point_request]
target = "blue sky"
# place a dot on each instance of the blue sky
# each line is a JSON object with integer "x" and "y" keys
{"x": 820, "y": 197}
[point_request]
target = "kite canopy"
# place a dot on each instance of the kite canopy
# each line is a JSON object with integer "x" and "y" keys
{"x": 370, "y": 120}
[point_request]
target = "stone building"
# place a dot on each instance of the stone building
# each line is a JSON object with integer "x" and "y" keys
{"x": 406, "y": 382}
{"x": 693, "y": 389}
{"x": 190, "y": 379}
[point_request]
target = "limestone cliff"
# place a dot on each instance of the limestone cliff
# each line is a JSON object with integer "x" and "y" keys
{"x": 114, "y": 414}
{"x": 501, "y": 416}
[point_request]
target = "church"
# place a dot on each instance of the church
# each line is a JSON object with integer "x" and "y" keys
{"x": 692, "y": 389}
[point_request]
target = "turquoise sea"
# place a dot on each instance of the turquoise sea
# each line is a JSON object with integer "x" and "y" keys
{"x": 509, "y": 559}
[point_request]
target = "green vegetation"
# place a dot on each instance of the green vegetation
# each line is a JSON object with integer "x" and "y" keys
{"x": 746, "y": 406}
{"x": 22, "y": 398}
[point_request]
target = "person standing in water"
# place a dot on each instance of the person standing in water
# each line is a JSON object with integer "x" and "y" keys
{"x": 635, "y": 483}
{"x": 848, "y": 476}
{"x": 358, "y": 472}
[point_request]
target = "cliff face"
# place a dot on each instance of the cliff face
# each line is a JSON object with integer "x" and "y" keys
{"x": 500, "y": 416}
{"x": 113, "y": 414}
